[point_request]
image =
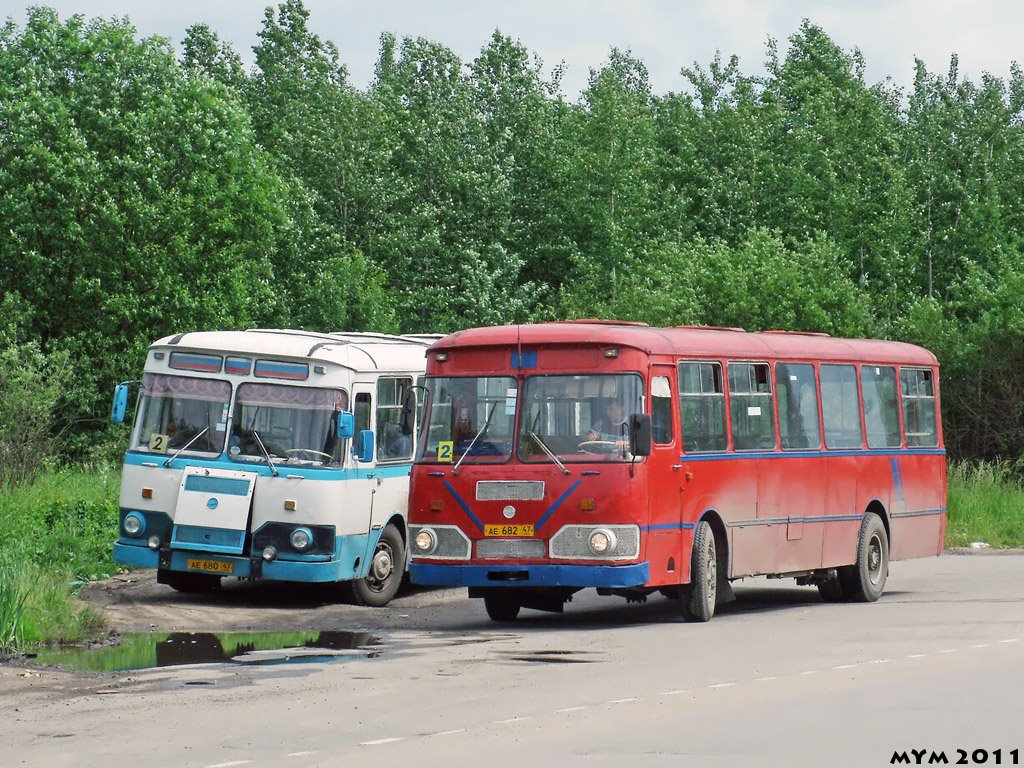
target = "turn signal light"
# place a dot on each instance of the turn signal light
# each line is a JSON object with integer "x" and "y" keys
{"x": 147, "y": 493}
{"x": 289, "y": 504}
{"x": 586, "y": 505}
{"x": 436, "y": 505}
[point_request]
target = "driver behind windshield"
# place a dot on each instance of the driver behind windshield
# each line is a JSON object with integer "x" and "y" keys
{"x": 613, "y": 427}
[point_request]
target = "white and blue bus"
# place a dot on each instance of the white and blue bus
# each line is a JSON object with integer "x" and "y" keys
{"x": 272, "y": 454}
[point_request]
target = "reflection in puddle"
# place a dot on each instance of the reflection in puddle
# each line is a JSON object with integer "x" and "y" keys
{"x": 144, "y": 651}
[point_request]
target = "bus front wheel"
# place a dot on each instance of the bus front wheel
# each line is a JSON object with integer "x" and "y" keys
{"x": 387, "y": 567}
{"x": 864, "y": 581}
{"x": 502, "y": 606}
{"x": 697, "y": 600}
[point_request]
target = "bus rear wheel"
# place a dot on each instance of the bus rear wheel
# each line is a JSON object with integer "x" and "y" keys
{"x": 502, "y": 607}
{"x": 864, "y": 581}
{"x": 697, "y": 601}
{"x": 387, "y": 567}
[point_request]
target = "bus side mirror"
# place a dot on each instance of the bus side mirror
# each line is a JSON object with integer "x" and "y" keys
{"x": 364, "y": 445}
{"x": 346, "y": 425}
{"x": 120, "y": 405}
{"x": 409, "y": 412}
{"x": 640, "y": 434}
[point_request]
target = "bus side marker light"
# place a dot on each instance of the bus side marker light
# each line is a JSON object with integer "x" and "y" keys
{"x": 689, "y": 475}
{"x": 613, "y": 352}
{"x": 436, "y": 505}
{"x": 289, "y": 504}
{"x": 147, "y": 493}
{"x": 586, "y": 505}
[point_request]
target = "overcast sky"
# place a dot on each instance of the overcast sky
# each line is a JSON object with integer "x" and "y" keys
{"x": 665, "y": 34}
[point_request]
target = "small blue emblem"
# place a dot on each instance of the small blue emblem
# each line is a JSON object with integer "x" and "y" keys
{"x": 212, "y": 503}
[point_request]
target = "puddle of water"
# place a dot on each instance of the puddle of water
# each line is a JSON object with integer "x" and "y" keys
{"x": 139, "y": 650}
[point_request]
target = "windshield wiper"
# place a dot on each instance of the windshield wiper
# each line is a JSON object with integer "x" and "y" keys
{"x": 266, "y": 453}
{"x": 548, "y": 451}
{"x": 185, "y": 447}
{"x": 487, "y": 423}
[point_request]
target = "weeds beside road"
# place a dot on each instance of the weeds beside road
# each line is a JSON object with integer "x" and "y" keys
{"x": 57, "y": 533}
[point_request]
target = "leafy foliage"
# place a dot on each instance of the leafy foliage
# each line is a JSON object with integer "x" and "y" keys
{"x": 145, "y": 194}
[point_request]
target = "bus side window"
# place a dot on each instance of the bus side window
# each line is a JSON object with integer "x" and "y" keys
{"x": 919, "y": 407}
{"x": 702, "y": 407}
{"x": 750, "y": 407}
{"x": 881, "y": 417}
{"x": 392, "y": 445}
{"x": 661, "y": 410}
{"x": 798, "y": 406}
{"x": 840, "y": 406}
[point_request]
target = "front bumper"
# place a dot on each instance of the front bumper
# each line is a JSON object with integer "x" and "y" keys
{"x": 519, "y": 576}
{"x": 348, "y": 562}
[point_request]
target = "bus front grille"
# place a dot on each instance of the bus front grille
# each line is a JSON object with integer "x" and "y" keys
{"x": 511, "y": 549}
{"x": 509, "y": 490}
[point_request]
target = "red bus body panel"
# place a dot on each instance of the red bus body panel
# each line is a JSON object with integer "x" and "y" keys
{"x": 782, "y": 511}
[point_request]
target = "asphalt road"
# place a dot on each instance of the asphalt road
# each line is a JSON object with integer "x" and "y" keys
{"x": 777, "y": 678}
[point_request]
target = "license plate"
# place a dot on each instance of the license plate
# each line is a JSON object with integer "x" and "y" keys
{"x": 509, "y": 530}
{"x": 210, "y": 566}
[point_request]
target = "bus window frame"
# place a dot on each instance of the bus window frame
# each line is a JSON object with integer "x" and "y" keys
{"x": 723, "y": 372}
{"x": 771, "y": 401}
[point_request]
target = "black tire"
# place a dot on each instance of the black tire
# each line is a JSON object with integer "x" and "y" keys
{"x": 387, "y": 568}
{"x": 832, "y": 590}
{"x": 697, "y": 601}
{"x": 864, "y": 581}
{"x": 501, "y": 606}
{"x": 189, "y": 583}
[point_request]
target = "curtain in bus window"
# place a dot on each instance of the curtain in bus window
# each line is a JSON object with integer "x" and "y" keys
{"x": 881, "y": 415}
{"x": 180, "y": 410}
{"x": 702, "y": 407}
{"x": 919, "y": 408}
{"x": 798, "y": 406}
{"x": 750, "y": 407}
{"x": 840, "y": 406}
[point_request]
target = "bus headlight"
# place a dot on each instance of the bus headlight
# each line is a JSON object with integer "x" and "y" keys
{"x": 301, "y": 539}
{"x": 426, "y": 541}
{"x": 153, "y": 542}
{"x": 602, "y": 542}
{"x": 134, "y": 524}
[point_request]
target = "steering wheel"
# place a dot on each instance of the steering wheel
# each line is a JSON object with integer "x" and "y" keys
{"x": 298, "y": 451}
{"x": 598, "y": 446}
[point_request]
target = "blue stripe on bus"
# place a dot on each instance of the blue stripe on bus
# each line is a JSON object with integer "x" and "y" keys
{"x": 326, "y": 473}
{"x": 811, "y": 454}
{"x": 611, "y": 576}
{"x": 669, "y": 527}
{"x": 558, "y": 502}
{"x": 464, "y": 505}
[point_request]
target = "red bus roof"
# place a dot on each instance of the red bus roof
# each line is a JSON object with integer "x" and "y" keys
{"x": 691, "y": 342}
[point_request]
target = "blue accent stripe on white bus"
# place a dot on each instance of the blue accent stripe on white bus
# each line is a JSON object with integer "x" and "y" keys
{"x": 133, "y": 459}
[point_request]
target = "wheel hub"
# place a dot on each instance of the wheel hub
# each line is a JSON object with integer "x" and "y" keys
{"x": 382, "y": 565}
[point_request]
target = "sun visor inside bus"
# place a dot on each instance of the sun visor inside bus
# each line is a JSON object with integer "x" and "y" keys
{"x": 525, "y": 359}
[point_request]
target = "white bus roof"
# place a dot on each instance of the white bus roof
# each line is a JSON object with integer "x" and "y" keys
{"x": 358, "y": 351}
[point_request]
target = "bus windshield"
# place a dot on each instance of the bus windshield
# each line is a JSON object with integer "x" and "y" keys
{"x": 577, "y": 417}
{"x": 296, "y": 424}
{"x": 180, "y": 411}
{"x": 469, "y": 419}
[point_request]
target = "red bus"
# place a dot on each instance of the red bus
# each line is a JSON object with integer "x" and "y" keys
{"x": 561, "y": 456}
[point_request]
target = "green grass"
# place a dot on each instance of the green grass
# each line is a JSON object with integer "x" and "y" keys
{"x": 55, "y": 534}
{"x": 986, "y": 503}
